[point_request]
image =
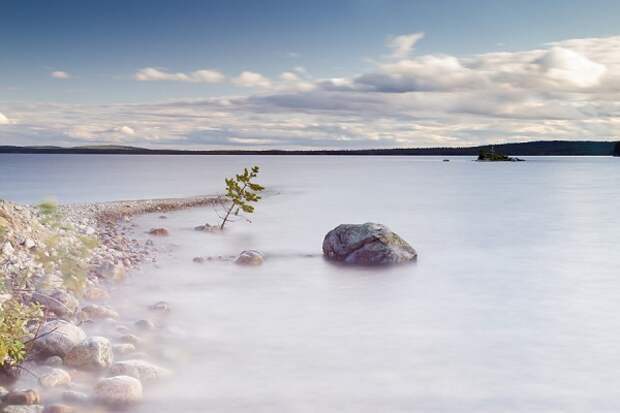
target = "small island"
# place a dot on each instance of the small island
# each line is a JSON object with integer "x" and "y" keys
{"x": 491, "y": 156}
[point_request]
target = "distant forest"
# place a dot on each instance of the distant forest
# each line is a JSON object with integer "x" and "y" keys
{"x": 538, "y": 148}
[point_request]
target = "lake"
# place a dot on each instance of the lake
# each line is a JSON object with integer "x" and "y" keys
{"x": 512, "y": 305}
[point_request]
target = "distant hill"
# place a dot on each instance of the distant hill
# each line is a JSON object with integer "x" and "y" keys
{"x": 538, "y": 148}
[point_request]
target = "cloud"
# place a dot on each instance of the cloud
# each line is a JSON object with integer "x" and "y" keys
{"x": 126, "y": 130}
{"x": 403, "y": 45}
{"x": 252, "y": 79}
{"x": 151, "y": 74}
{"x": 568, "y": 89}
{"x": 60, "y": 75}
{"x": 4, "y": 120}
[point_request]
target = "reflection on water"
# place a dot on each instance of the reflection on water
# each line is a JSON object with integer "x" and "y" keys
{"x": 512, "y": 305}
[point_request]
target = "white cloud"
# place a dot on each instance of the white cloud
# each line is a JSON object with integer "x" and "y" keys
{"x": 151, "y": 74}
{"x": 126, "y": 130}
{"x": 4, "y": 120}
{"x": 252, "y": 79}
{"x": 403, "y": 45}
{"x": 564, "y": 90}
{"x": 59, "y": 74}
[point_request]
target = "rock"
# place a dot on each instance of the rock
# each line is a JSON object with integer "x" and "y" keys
{"x": 95, "y": 294}
{"x": 123, "y": 349}
{"x": 3, "y": 392}
{"x": 22, "y": 397}
{"x": 71, "y": 396}
{"x": 29, "y": 244}
{"x": 59, "y": 408}
{"x": 131, "y": 339}
{"x": 60, "y": 302}
{"x": 54, "y": 378}
{"x": 93, "y": 353}
{"x": 159, "y": 232}
{"x": 208, "y": 228}
{"x": 144, "y": 325}
{"x": 4, "y": 298}
{"x": 366, "y": 244}
{"x": 57, "y": 338}
{"x": 7, "y": 249}
{"x": 140, "y": 369}
{"x": 97, "y": 312}
{"x": 250, "y": 257}
{"x": 53, "y": 361}
{"x": 199, "y": 260}
{"x": 118, "y": 391}
{"x": 111, "y": 271}
{"x": 35, "y": 408}
{"x": 160, "y": 306}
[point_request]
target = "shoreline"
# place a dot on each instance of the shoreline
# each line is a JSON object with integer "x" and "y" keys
{"x": 67, "y": 258}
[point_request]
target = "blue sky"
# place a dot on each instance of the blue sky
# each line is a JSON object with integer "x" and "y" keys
{"x": 142, "y": 72}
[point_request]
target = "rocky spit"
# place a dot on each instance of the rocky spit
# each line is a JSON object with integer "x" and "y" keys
{"x": 67, "y": 259}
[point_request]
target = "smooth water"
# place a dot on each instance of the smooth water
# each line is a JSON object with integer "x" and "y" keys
{"x": 512, "y": 306}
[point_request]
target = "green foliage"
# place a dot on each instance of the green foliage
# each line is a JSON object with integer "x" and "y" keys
{"x": 49, "y": 210}
{"x": 15, "y": 318}
{"x": 242, "y": 192}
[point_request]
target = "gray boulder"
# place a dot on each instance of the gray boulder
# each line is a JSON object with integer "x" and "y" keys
{"x": 57, "y": 338}
{"x": 93, "y": 353}
{"x": 60, "y": 302}
{"x": 366, "y": 244}
{"x": 118, "y": 391}
{"x": 140, "y": 369}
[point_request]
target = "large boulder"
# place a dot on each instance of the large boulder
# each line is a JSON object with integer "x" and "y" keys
{"x": 57, "y": 338}
{"x": 366, "y": 244}
{"x": 118, "y": 391}
{"x": 94, "y": 353}
{"x": 60, "y": 302}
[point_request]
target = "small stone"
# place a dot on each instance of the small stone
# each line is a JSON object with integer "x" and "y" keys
{"x": 140, "y": 369}
{"x": 118, "y": 391}
{"x": 93, "y": 353}
{"x": 29, "y": 244}
{"x": 123, "y": 349}
{"x": 71, "y": 396}
{"x": 96, "y": 294}
{"x": 53, "y": 361}
{"x": 160, "y": 306}
{"x": 144, "y": 325}
{"x": 159, "y": 232}
{"x": 111, "y": 271}
{"x": 131, "y": 339}
{"x": 199, "y": 260}
{"x": 59, "y": 408}
{"x": 7, "y": 248}
{"x": 250, "y": 258}
{"x": 22, "y": 397}
{"x": 54, "y": 378}
{"x": 97, "y": 312}
{"x": 3, "y": 392}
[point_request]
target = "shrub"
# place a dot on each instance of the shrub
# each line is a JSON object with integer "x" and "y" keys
{"x": 242, "y": 192}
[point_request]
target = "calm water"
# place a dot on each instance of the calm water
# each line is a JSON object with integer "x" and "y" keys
{"x": 512, "y": 307}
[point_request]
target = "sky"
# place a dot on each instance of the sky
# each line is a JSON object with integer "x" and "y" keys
{"x": 297, "y": 74}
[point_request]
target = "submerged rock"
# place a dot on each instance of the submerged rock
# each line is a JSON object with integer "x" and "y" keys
{"x": 250, "y": 257}
{"x": 140, "y": 369}
{"x": 111, "y": 271}
{"x": 59, "y": 408}
{"x": 159, "y": 232}
{"x": 22, "y": 397}
{"x": 93, "y": 353}
{"x": 97, "y": 312}
{"x": 57, "y": 338}
{"x": 160, "y": 306}
{"x": 366, "y": 244}
{"x": 118, "y": 391}
{"x": 208, "y": 228}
